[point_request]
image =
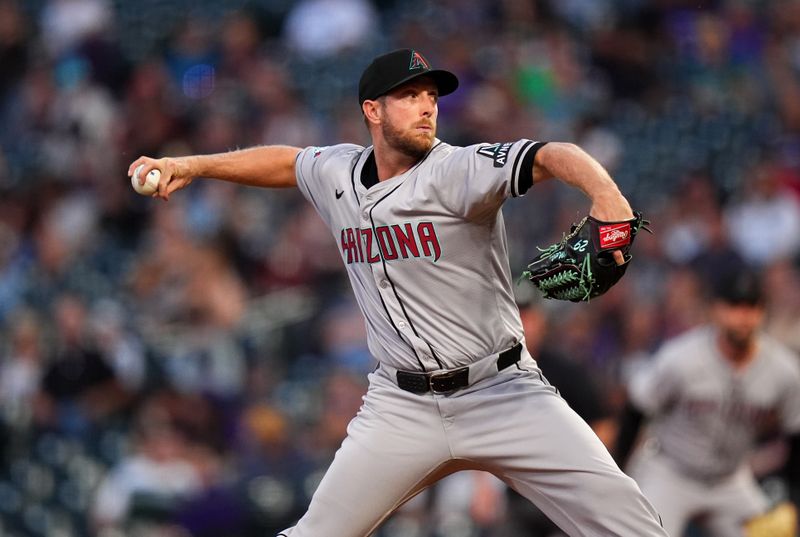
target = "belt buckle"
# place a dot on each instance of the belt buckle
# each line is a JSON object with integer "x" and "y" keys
{"x": 445, "y": 383}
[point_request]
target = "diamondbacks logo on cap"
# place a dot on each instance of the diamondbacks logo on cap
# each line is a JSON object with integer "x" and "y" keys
{"x": 417, "y": 61}
{"x": 615, "y": 235}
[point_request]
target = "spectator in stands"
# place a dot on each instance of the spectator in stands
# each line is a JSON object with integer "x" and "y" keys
{"x": 151, "y": 481}
{"x": 79, "y": 388}
{"x": 21, "y": 370}
{"x": 321, "y": 28}
{"x": 766, "y": 209}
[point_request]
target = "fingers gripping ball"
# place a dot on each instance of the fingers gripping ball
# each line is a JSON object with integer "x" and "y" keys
{"x": 150, "y": 182}
{"x": 581, "y": 266}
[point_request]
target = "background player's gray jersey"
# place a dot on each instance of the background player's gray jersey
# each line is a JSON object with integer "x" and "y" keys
{"x": 431, "y": 298}
{"x": 708, "y": 413}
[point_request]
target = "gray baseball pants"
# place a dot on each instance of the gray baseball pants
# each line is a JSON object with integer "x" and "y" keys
{"x": 512, "y": 424}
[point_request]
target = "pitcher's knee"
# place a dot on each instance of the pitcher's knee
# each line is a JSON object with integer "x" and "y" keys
{"x": 619, "y": 490}
{"x": 629, "y": 493}
{"x": 626, "y": 484}
{"x": 622, "y": 488}
{"x": 622, "y": 510}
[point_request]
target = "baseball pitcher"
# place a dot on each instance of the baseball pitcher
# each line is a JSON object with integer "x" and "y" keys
{"x": 710, "y": 394}
{"x": 421, "y": 235}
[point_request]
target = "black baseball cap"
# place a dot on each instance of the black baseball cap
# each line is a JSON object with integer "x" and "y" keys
{"x": 740, "y": 287}
{"x": 388, "y": 71}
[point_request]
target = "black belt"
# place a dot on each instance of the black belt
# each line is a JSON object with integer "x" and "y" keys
{"x": 450, "y": 381}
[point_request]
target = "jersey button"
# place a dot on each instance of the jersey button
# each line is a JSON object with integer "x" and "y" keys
{"x": 401, "y": 324}
{"x": 365, "y": 214}
{"x": 384, "y": 284}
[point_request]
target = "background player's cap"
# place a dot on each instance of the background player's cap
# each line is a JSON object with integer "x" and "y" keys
{"x": 388, "y": 71}
{"x": 740, "y": 287}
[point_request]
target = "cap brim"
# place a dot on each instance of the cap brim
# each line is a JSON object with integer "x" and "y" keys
{"x": 446, "y": 81}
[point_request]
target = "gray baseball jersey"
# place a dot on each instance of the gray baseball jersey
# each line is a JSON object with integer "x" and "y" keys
{"x": 427, "y": 259}
{"x": 707, "y": 417}
{"x": 425, "y": 251}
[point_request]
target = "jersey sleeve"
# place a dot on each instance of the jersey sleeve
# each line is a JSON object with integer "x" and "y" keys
{"x": 318, "y": 168}
{"x": 476, "y": 179}
{"x": 653, "y": 388}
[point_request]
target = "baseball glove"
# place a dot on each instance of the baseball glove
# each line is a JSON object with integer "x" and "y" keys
{"x": 780, "y": 521}
{"x": 581, "y": 266}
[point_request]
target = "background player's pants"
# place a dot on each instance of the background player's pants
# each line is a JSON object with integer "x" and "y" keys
{"x": 513, "y": 425}
{"x": 723, "y": 505}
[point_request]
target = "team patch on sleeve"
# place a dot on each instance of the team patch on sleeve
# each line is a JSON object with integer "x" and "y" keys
{"x": 497, "y": 152}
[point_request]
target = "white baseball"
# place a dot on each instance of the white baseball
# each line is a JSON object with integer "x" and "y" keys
{"x": 150, "y": 182}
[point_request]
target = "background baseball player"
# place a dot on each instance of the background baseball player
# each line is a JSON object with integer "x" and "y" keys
{"x": 420, "y": 232}
{"x": 711, "y": 394}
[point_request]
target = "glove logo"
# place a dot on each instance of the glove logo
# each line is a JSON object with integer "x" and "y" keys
{"x": 614, "y": 235}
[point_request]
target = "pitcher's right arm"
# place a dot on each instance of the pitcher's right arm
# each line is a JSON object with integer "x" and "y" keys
{"x": 264, "y": 166}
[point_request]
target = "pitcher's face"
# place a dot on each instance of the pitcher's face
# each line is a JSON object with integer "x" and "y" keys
{"x": 408, "y": 122}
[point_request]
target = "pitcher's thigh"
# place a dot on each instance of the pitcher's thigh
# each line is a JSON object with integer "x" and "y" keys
{"x": 389, "y": 453}
{"x": 557, "y": 462}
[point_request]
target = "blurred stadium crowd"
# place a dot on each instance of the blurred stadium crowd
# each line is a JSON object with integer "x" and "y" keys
{"x": 188, "y": 368}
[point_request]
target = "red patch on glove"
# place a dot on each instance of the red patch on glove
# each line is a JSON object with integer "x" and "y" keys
{"x": 615, "y": 235}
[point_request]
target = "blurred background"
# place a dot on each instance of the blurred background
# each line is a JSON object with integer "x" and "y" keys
{"x": 188, "y": 368}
